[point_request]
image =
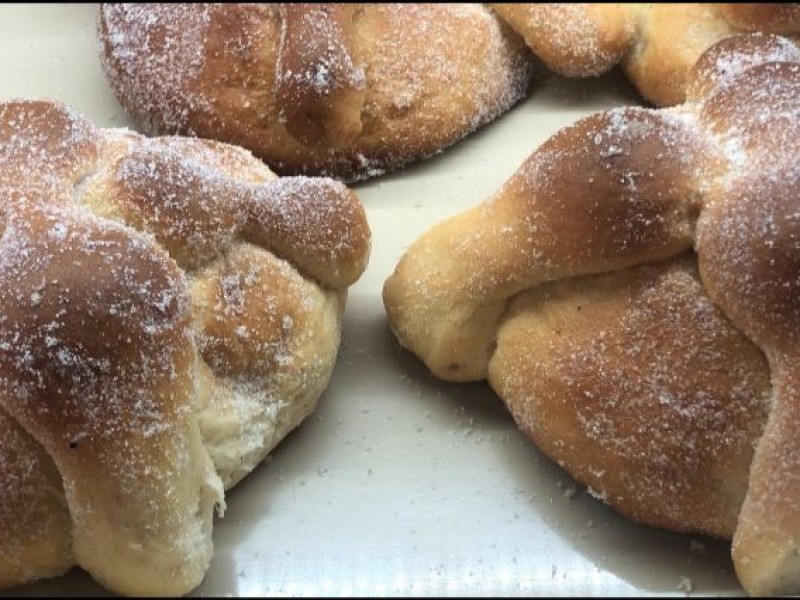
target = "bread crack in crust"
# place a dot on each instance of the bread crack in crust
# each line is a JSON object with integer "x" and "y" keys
{"x": 655, "y": 44}
{"x": 169, "y": 311}
{"x": 346, "y": 90}
{"x": 632, "y": 294}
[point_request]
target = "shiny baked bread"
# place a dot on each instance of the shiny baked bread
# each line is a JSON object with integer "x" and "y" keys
{"x": 169, "y": 310}
{"x": 656, "y": 44}
{"x": 346, "y": 90}
{"x": 632, "y": 294}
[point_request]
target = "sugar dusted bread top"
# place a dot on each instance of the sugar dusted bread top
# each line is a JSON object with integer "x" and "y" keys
{"x": 335, "y": 89}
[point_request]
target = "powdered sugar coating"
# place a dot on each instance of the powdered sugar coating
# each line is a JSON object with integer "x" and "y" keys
{"x": 655, "y": 423}
{"x": 149, "y": 39}
{"x": 416, "y": 88}
{"x": 635, "y": 385}
{"x": 655, "y": 44}
{"x": 718, "y": 68}
{"x": 33, "y": 511}
{"x": 118, "y": 347}
{"x": 575, "y": 40}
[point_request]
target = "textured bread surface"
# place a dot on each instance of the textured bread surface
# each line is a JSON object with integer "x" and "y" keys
{"x": 169, "y": 310}
{"x": 656, "y": 44}
{"x": 347, "y": 90}
{"x": 631, "y": 292}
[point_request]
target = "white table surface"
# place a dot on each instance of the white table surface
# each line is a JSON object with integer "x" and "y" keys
{"x": 398, "y": 484}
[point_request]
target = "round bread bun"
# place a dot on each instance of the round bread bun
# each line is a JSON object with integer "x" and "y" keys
{"x": 345, "y": 90}
{"x": 169, "y": 310}
{"x": 656, "y": 44}
{"x": 632, "y": 294}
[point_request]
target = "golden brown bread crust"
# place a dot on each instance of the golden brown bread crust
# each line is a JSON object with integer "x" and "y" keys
{"x": 656, "y": 44}
{"x": 599, "y": 218}
{"x": 320, "y": 36}
{"x": 113, "y": 408}
{"x": 341, "y": 90}
{"x": 575, "y": 40}
{"x": 637, "y": 213}
{"x": 169, "y": 310}
{"x": 594, "y": 356}
{"x": 34, "y": 518}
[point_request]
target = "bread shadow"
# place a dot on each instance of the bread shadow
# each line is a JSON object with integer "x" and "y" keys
{"x": 76, "y": 583}
{"x": 649, "y": 559}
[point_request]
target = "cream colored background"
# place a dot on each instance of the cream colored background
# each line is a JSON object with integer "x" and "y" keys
{"x": 398, "y": 484}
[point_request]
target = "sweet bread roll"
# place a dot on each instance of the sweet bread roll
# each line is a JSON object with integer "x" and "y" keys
{"x": 169, "y": 310}
{"x": 631, "y": 293}
{"x": 656, "y": 44}
{"x": 347, "y": 90}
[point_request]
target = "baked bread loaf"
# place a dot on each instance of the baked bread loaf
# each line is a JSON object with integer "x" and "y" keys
{"x": 346, "y": 90}
{"x": 169, "y": 310}
{"x": 656, "y": 44}
{"x": 632, "y": 294}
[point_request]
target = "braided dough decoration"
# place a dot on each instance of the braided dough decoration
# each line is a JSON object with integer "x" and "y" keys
{"x": 647, "y": 370}
{"x": 656, "y": 44}
{"x": 169, "y": 310}
{"x": 347, "y": 90}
